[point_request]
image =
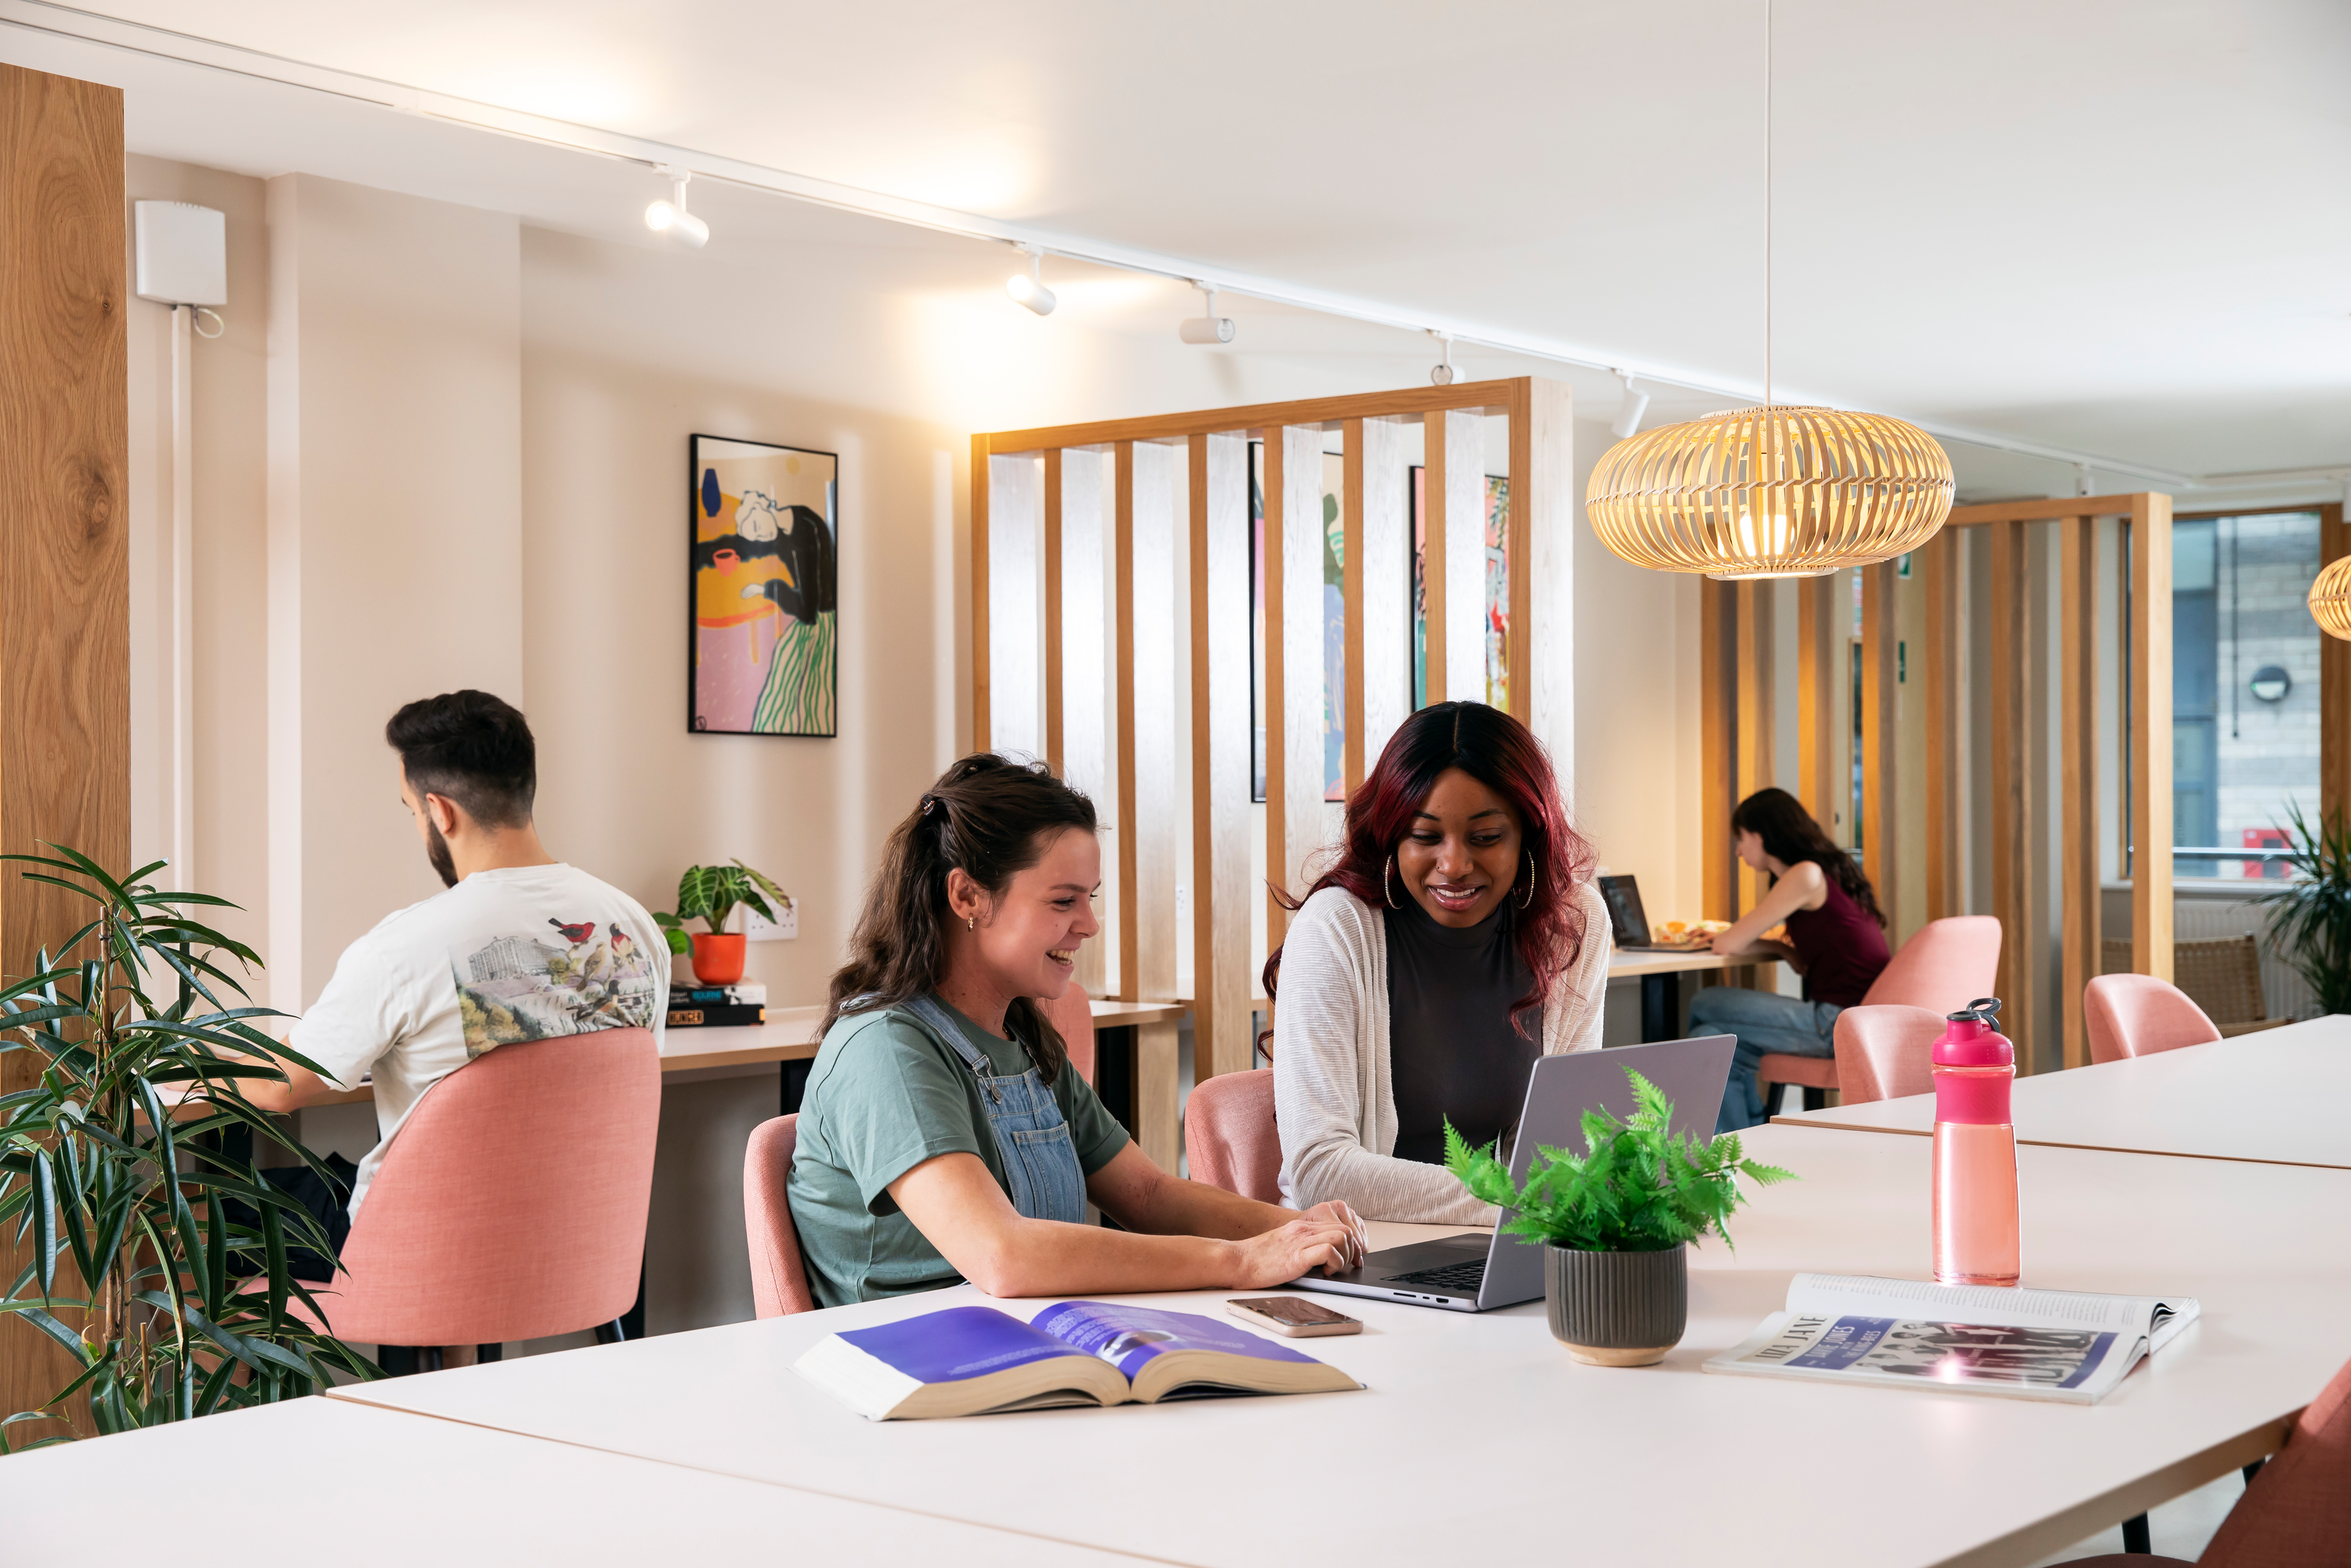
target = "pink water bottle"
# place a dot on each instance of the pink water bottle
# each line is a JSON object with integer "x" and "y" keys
{"x": 1977, "y": 1241}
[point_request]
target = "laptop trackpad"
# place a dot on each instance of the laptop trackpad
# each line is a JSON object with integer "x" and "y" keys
{"x": 1420, "y": 1255}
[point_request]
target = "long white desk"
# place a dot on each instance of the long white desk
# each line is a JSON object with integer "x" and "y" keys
{"x": 362, "y": 1487}
{"x": 1477, "y": 1434}
{"x": 2283, "y": 1095}
{"x": 1660, "y": 971}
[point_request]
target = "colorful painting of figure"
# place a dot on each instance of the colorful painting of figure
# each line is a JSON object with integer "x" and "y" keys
{"x": 1496, "y": 543}
{"x": 1334, "y": 626}
{"x": 766, "y": 637}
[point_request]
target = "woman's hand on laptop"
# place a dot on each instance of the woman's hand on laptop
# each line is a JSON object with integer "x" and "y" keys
{"x": 1359, "y": 1240}
{"x": 1328, "y": 1236}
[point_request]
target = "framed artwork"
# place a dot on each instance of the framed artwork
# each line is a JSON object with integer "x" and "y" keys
{"x": 1497, "y": 590}
{"x": 1334, "y": 627}
{"x": 763, "y": 655}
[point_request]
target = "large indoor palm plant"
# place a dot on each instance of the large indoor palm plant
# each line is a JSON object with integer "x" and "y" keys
{"x": 134, "y": 1216}
{"x": 2310, "y": 917}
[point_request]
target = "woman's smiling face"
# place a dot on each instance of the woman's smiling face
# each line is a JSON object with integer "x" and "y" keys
{"x": 1028, "y": 940}
{"x": 1462, "y": 853}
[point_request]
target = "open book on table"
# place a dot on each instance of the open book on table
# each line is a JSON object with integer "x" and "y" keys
{"x": 970, "y": 1361}
{"x": 2069, "y": 1345}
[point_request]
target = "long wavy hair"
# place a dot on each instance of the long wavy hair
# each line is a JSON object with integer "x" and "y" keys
{"x": 1503, "y": 755}
{"x": 1790, "y": 835}
{"x": 989, "y": 818}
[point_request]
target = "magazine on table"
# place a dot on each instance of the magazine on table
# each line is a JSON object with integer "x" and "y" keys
{"x": 2068, "y": 1345}
{"x": 971, "y": 1361}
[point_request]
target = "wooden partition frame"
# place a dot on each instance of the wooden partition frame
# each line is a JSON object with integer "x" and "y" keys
{"x": 2017, "y": 851}
{"x": 1214, "y": 690}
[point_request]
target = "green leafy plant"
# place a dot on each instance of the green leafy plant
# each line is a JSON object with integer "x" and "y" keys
{"x": 2310, "y": 927}
{"x": 710, "y": 892}
{"x": 159, "y": 1224}
{"x": 1636, "y": 1187}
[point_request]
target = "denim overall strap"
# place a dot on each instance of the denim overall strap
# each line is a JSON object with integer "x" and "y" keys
{"x": 1032, "y": 1138}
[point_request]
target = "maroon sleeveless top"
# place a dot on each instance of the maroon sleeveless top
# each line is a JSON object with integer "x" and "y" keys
{"x": 1842, "y": 949}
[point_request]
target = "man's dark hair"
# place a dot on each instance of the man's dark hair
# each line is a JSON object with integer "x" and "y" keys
{"x": 470, "y": 748}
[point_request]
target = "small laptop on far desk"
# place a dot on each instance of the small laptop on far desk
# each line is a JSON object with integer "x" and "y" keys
{"x": 1473, "y": 1273}
{"x": 1628, "y": 923}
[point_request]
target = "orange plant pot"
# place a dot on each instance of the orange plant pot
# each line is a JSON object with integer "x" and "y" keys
{"x": 717, "y": 959}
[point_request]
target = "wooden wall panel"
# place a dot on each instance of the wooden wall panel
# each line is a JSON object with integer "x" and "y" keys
{"x": 1350, "y": 590}
{"x": 2334, "y": 684}
{"x": 1931, "y": 677}
{"x": 1433, "y": 567}
{"x": 2006, "y": 706}
{"x": 1056, "y": 695}
{"x": 1222, "y": 1035}
{"x": 1301, "y": 636}
{"x": 2078, "y": 773}
{"x": 1380, "y": 701}
{"x": 1012, "y": 719}
{"x": 1880, "y": 858}
{"x": 1753, "y": 730}
{"x": 1465, "y": 556}
{"x": 1815, "y": 703}
{"x": 2150, "y": 741}
{"x": 981, "y": 468}
{"x": 1144, "y": 476}
{"x": 1717, "y": 627}
{"x": 65, "y": 702}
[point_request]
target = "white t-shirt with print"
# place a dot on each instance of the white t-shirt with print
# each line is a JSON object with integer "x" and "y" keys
{"x": 521, "y": 953}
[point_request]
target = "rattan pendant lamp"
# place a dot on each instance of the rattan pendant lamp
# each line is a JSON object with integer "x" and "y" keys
{"x": 2330, "y": 599}
{"x": 1770, "y": 491}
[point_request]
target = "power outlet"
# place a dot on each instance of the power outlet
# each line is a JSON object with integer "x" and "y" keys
{"x": 758, "y": 928}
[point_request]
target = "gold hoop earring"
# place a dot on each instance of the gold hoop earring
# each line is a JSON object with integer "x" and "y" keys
{"x": 1387, "y": 883}
{"x": 1528, "y": 896}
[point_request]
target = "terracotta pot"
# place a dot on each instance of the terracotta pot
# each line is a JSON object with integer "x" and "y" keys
{"x": 1616, "y": 1309}
{"x": 717, "y": 959}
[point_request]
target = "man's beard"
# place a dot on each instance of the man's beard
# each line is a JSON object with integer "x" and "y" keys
{"x": 436, "y": 850}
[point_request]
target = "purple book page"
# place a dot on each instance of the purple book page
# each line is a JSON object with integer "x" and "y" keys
{"x": 1128, "y": 1337}
{"x": 957, "y": 1343}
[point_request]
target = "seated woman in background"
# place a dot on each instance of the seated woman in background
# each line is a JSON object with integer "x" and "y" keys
{"x": 1458, "y": 937}
{"x": 1836, "y": 941}
{"x": 942, "y": 1136}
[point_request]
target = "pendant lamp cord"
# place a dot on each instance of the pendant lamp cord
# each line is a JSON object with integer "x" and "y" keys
{"x": 1767, "y": 204}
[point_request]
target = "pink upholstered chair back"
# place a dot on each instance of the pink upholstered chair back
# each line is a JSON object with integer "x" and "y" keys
{"x": 1886, "y": 1052}
{"x": 2138, "y": 1015}
{"x": 1945, "y": 965}
{"x": 1230, "y": 1135}
{"x": 512, "y": 1204}
{"x": 2298, "y": 1510}
{"x": 779, "y": 1279}
{"x": 1072, "y": 1016}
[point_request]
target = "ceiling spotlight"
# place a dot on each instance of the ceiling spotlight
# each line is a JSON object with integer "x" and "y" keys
{"x": 1629, "y": 412}
{"x": 1028, "y": 288}
{"x": 1445, "y": 372}
{"x": 670, "y": 217}
{"x": 1210, "y": 327}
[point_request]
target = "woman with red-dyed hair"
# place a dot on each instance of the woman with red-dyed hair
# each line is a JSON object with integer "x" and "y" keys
{"x": 1458, "y": 937}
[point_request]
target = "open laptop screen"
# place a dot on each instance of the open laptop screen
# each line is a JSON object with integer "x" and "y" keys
{"x": 1626, "y": 921}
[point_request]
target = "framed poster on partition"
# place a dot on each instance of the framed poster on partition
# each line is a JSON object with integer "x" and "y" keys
{"x": 763, "y": 651}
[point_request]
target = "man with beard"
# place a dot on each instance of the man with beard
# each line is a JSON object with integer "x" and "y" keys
{"x": 519, "y": 947}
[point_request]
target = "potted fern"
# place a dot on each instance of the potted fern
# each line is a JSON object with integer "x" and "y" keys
{"x": 709, "y": 894}
{"x": 153, "y": 1252}
{"x": 2310, "y": 919}
{"x": 1617, "y": 1222}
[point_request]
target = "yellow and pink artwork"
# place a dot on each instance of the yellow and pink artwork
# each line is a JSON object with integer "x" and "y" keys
{"x": 765, "y": 643}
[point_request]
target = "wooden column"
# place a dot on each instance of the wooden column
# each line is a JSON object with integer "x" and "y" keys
{"x": 1293, "y": 667}
{"x": 1815, "y": 703}
{"x": 65, "y": 702}
{"x": 2006, "y": 707}
{"x": 1144, "y": 501}
{"x": 1222, "y": 1040}
{"x": 1056, "y": 748}
{"x": 2078, "y": 771}
{"x": 2333, "y": 685}
{"x": 1936, "y": 569}
{"x": 1753, "y": 730}
{"x": 1880, "y": 860}
{"x": 981, "y": 465}
{"x": 1717, "y": 613}
{"x": 2150, "y": 740}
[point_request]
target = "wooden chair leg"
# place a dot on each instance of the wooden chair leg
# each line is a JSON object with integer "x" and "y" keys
{"x": 610, "y": 1333}
{"x": 2135, "y": 1536}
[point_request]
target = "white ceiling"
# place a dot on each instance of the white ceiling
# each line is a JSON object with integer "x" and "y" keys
{"x": 2118, "y": 226}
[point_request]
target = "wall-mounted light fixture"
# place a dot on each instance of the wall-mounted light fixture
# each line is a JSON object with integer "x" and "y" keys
{"x": 1444, "y": 373}
{"x": 2271, "y": 683}
{"x": 1629, "y": 412}
{"x": 1028, "y": 289}
{"x": 1210, "y": 327}
{"x": 670, "y": 217}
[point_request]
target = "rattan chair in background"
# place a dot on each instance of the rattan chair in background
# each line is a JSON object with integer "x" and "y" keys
{"x": 2223, "y": 975}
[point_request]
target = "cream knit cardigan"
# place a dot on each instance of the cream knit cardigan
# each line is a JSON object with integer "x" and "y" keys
{"x": 1334, "y": 1093}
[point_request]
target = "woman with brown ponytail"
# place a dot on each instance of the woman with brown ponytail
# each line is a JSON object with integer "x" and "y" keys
{"x": 942, "y": 1138}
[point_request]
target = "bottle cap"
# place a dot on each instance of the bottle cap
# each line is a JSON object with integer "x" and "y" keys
{"x": 1969, "y": 1040}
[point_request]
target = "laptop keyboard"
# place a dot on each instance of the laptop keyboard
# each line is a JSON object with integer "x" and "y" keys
{"x": 1465, "y": 1276}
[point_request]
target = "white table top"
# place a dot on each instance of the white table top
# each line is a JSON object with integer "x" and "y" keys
{"x": 1624, "y": 965}
{"x": 1479, "y": 1430}
{"x": 2283, "y": 1095}
{"x": 358, "y": 1485}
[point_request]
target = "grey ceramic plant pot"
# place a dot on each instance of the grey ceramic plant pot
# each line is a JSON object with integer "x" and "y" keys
{"x": 1617, "y": 1309}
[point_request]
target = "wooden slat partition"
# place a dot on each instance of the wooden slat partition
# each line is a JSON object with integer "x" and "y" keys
{"x": 2077, "y": 682}
{"x": 1881, "y": 857}
{"x": 2150, "y": 667}
{"x": 1717, "y": 710}
{"x": 1351, "y": 550}
{"x": 1056, "y": 695}
{"x": 982, "y": 720}
{"x": 2008, "y": 709}
{"x": 1753, "y": 725}
{"x": 1223, "y": 1041}
{"x": 1294, "y": 485}
{"x": 1815, "y": 705}
{"x": 1143, "y": 477}
{"x": 1464, "y": 449}
{"x": 1936, "y": 570}
{"x": 1379, "y": 700}
{"x": 1542, "y": 556}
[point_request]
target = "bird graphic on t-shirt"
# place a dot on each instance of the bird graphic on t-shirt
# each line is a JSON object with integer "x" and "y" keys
{"x": 575, "y": 934}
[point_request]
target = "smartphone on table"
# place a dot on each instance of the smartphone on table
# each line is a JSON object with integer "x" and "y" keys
{"x": 1294, "y": 1316}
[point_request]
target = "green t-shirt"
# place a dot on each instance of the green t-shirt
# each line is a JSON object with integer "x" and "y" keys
{"x": 883, "y": 1095}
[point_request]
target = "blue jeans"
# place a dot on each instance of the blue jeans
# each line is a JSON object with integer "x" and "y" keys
{"x": 1766, "y": 1024}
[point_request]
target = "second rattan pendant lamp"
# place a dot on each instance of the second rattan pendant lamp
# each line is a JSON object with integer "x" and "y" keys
{"x": 1770, "y": 491}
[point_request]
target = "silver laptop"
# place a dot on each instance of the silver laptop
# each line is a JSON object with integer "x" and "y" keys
{"x": 1475, "y": 1274}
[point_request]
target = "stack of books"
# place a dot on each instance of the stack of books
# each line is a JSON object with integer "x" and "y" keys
{"x": 717, "y": 1007}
